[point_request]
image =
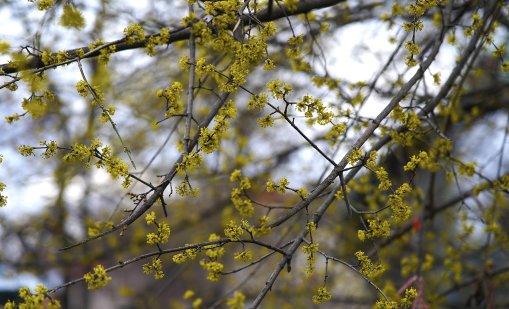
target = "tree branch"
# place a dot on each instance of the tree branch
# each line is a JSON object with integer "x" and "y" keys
{"x": 141, "y": 209}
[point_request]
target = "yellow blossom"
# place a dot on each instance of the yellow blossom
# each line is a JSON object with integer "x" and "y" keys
{"x": 98, "y": 278}
{"x": 72, "y": 17}
{"x": 322, "y": 295}
{"x": 237, "y": 301}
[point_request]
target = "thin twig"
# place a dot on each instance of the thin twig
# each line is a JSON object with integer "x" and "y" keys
{"x": 190, "y": 88}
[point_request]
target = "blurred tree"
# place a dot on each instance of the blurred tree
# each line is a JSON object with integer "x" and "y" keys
{"x": 287, "y": 153}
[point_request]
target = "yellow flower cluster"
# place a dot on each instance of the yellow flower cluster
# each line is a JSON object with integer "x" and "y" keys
{"x": 380, "y": 172}
{"x": 266, "y": 121}
{"x": 237, "y": 301}
{"x": 96, "y": 227}
{"x": 82, "y": 88}
{"x": 98, "y": 278}
{"x": 467, "y": 169}
{"x": 161, "y": 236}
{"x": 33, "y": 301}
{"x": 405, "y": 138}
{"x": 134, "y": 33}
{"x": 3, "y": 198}
{"x": 409, "y": 265}
{"x": 504, "y": 67}
{"x": 35, "y": 107}
{"x": 377, "y": 228}
{"x": 397, "y": 9}
{"x": 44, "y": 5}
{"x": 368, "y": 268}
{"x": 72, "y": 17}
{"x": 269, "y": 64}
{"x": 189, "y": 163}
{"x": 310, "y": 251}
{"x": 5, "y": 47}
{"x": 189, "y": 19}
{"x": 416, "y": 160}
{"x": 213, "y": 251}
{"x": 221, "y": 121}
{"x": 424, "y": 160}
{"x": 172, "y": 95}
{"x": 243, "y": 256}
{"x": 188, "y": 254}
{"x": 302, "y": 193}
{"x": 400, "y": 210}
{"x": 503, "y": 183}
{"x": 409, "y": 118}
{"x": 408, "y": 300}
{"x": 107, "y": 113}
{"x": 48, "y": 57}
{"x": 12, "y": 118}
{"x": 405, "y": 302}
{"x": 421, "y": 6}
{"x": 202, "y": 68}
{"x": 155, "y": 267}
{"x": 331, "y": 83}
{"x": 104, "y": 53}
{"x": 291, "y": 4}
{"x": 279, "y": 89}
{"x": 386, "y": 304}
{"x": 314, "y": 107}
{"x": 333, "y": 134}
{"x": 224, "y": 12}
{"x": 162, "y": 38}
{"x": 436, "y": 79}
{"x": 213, "y": 268}
{"x": 383, "y": 178}
{"x": 294, "y": 54}
{"x": 210, "y": 139}
{"x": 476, "y": 24}
{"x": 95, "y": 44}
{"x": 243, "y": 205}
{"x": 211, "y": 265}
{"x": 150, "y": 217}
{"x": 412, "y": 48}
{"x": 453, "y": 263}
{"x": 279, "y": 188}
{"x": 322, "y": 295}
{"x": 35, "y": 82}
{"x": 355, "y": 156}
{"x": 257, "y": 102}
{"x": 416, "y": 9}
{"x": 197, "y": 303}
{"x": 311, "y": 227}
{"x": 262, "y": 228}
{"x": 80, "y": 152}
{"x": 26, "y": 150}
{"x": 105, "y": 159}
{"x": 188, "y": 294}
{"x": 233, "y": 231}
{"x": 184, "y": 188}
{"x": 217, "y": 36}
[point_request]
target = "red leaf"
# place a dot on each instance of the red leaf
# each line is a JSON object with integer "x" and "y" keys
{"x": 416, "y": 224}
